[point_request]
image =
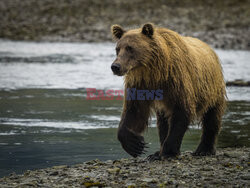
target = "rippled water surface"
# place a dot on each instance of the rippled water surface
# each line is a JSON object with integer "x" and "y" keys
{"x": 46, "y": 120}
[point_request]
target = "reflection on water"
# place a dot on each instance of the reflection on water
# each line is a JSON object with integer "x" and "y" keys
{"x": 45, "y": 119}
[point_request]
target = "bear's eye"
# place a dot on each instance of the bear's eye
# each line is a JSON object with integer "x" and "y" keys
{"x": 117, "y": 51}
{"x": 129, "y": 48}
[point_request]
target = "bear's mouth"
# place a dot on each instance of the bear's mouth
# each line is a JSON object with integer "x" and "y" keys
{"x": 120, "y": 74}
{"x": 124, "y": 72}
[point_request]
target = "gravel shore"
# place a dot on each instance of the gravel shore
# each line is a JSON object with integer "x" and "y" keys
{"x": 230, "y": 167}
{"x": 222, "y": 24}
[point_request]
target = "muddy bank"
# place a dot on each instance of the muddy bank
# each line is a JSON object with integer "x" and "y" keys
{"x": 222, "y": 24}
{"x": 229, "y": 168}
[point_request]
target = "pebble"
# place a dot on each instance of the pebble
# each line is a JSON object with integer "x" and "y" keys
{"x": 113, "y": 170}
{"x": 186, "y": 171}
{"x": 245, "y": 177}
{"x": 149, "y": 180}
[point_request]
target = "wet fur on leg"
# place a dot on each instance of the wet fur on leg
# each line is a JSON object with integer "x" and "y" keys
{"x": 163, "y": 127}
{"x": 211, "y": 124}
{"x": 179, "y": 122}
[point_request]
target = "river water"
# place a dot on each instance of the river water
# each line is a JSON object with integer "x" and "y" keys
{"x": 45, "y": 119}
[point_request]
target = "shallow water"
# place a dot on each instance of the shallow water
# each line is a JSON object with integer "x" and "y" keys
{"x": 45, "y": 119}
{"x": 76, "y": 65}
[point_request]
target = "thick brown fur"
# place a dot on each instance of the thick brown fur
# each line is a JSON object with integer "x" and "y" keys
{"x": 185, "y": 68}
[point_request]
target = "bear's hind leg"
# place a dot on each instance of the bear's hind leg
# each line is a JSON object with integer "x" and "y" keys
{"x": 211, "y": 123}
{"x": 163, "y": 127}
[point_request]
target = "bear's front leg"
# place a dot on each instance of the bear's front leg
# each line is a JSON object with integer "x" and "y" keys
{"x": 163, "y": 127}
{"x": 179, "y": 122}
{"x": 133, "y": 122}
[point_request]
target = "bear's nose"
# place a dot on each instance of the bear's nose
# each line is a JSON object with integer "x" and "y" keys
{"x": 116, "y": 68}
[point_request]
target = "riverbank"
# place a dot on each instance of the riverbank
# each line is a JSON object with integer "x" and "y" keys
{"x": 229, "y": 168}
{"x": 240, "y": 83}
{"x": 222, "y": 24}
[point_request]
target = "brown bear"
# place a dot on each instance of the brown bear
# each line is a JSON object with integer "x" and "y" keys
{"x": 188, "y": 72}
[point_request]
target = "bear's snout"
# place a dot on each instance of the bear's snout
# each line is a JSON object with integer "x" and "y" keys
{"x": 116, "y": 68}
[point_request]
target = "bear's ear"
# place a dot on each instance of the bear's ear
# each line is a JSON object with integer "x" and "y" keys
{"x": 117, "y": 31}
{"x": 148, "y": 30}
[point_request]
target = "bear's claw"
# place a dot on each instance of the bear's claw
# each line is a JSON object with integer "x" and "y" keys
{"x": 204, "y": 151}
{"x": 154, "y": 157}
{"x": 133, "y": 144}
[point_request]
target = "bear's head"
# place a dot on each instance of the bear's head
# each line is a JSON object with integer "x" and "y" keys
{"x": 132, "y": 48}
